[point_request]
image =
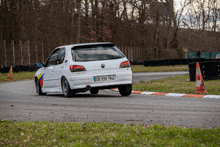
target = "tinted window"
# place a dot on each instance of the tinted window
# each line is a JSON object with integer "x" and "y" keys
{"x": 53, "y": 57}
{"x": 57, "y": 57}
{"x": 94, "y": 53}
{"x": 61, "y": 55}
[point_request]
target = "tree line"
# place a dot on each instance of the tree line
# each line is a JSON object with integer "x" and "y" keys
{"x": 136, "y": 23}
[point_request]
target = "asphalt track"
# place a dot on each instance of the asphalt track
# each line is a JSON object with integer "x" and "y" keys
{"x": 19, "y": 101}
{"x": 149, "y": 76}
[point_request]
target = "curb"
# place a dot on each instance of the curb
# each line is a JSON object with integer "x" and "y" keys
{"x": 173, "y": 94}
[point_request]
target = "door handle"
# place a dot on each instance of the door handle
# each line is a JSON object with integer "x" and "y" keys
{"x": 66, "y": 61}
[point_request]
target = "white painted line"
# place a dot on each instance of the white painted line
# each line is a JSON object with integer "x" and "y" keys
{"x": 172, "y": 94}
{"x": 147, "y": 93}
{"x": 212, "y": 96}
{"x": 175, "y": 94}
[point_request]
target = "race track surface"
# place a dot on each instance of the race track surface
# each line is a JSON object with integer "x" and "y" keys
{"x": 19, "y": 101}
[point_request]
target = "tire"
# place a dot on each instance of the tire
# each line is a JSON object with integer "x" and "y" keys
{"x": 94, "y": 91}
{"x": 38, "y": 88}
{"x": 66, "y": 88}
{"x": 125, "y": 90}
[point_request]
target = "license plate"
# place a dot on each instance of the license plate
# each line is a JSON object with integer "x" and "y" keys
{"x": 104, "y": 78}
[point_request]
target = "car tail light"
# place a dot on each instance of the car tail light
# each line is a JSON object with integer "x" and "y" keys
{"x": 215, "y": 58}
{"x": 125, "y": 64}
{"x": 75, "y": 68}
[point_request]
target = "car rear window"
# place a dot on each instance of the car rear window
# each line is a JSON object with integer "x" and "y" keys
{"x": 95, "y": 53}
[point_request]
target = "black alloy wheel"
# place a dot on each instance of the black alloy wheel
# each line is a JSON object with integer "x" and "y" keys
{"x": 66, "y": 88}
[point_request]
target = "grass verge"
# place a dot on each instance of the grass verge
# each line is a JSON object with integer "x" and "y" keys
{"x": 178, "y": 84}
{"x": 135, "y": 68}
{"x": 142, "y": 68}
{"x": 47, "y": 133}
{"x": 17, "y": 76}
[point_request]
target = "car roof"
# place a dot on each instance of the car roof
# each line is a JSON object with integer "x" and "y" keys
{"x": 82, "y": 44}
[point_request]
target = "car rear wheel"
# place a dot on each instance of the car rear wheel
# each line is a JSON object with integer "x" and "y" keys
{"x": 66, "y": 88}
{"x": 38, "y": 88}
{"x": 94, "y": 91}
{"x": 125, "y": 90}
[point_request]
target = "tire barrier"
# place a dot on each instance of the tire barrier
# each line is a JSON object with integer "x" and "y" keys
{"x": 136, "y": 63}
{"x": 175, "y": 61}
{"x": 209, "y": 70}
{"x": 212, "y": 70}
{"x": 19, "y": 68}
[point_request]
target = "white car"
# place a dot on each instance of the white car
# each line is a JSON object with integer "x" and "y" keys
{"x": 217, "y": 56}
{"x": 81, "y": 67}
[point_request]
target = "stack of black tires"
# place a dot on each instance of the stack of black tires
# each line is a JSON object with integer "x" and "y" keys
{"x": 19, "y": 68}
{"x": 165, "y": 62}
{"x": 210, "y": 70}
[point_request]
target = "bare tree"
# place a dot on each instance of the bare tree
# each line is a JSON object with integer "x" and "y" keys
{"x": 215, "y": 11}
{"x": 78, "y": 21}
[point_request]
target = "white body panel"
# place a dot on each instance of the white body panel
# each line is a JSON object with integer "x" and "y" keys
{"x": 79, "y": 80}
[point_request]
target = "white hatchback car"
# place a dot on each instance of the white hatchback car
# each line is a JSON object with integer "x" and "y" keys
{"x": 217, "y": 56}
{"x": 81, "y": 67}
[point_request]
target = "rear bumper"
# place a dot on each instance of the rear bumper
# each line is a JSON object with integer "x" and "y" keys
{"x": 81, "y": 81}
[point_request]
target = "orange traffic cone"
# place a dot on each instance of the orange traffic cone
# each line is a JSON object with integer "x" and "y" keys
{"x": 200, "y": 87}
{"x": 10, "y": 74}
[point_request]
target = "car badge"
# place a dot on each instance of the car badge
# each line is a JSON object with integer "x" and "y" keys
{"x": 103, "y": 65}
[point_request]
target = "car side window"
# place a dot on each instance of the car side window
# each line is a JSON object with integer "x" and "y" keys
{"x": 53, "y": 58}
{"x": 61, "y": 56}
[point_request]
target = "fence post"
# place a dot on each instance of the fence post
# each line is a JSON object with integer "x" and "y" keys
{"x": 22, "y": 63}
{"x": 122, "y": 49}
{"x": 36, "y": 52}
{"x": 140, "y": 56}
{"x": 126, "y": 52}
{"x": 4, "y": 46}
{"x": 42, "y": 52}
{"x": 135, "y": 54}
{"x": 128, "y": 55}
{"x": 131, "y": 54}
{"x": 142, "y": 51}
{"x": 29, "y": 58}
{"x": 13, "y": 51}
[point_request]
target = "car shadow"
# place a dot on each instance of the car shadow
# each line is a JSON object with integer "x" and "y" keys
{"x": 81, "y": 95}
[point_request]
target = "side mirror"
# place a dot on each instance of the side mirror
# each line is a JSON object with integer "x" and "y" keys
{"x": 40, "y": 65}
